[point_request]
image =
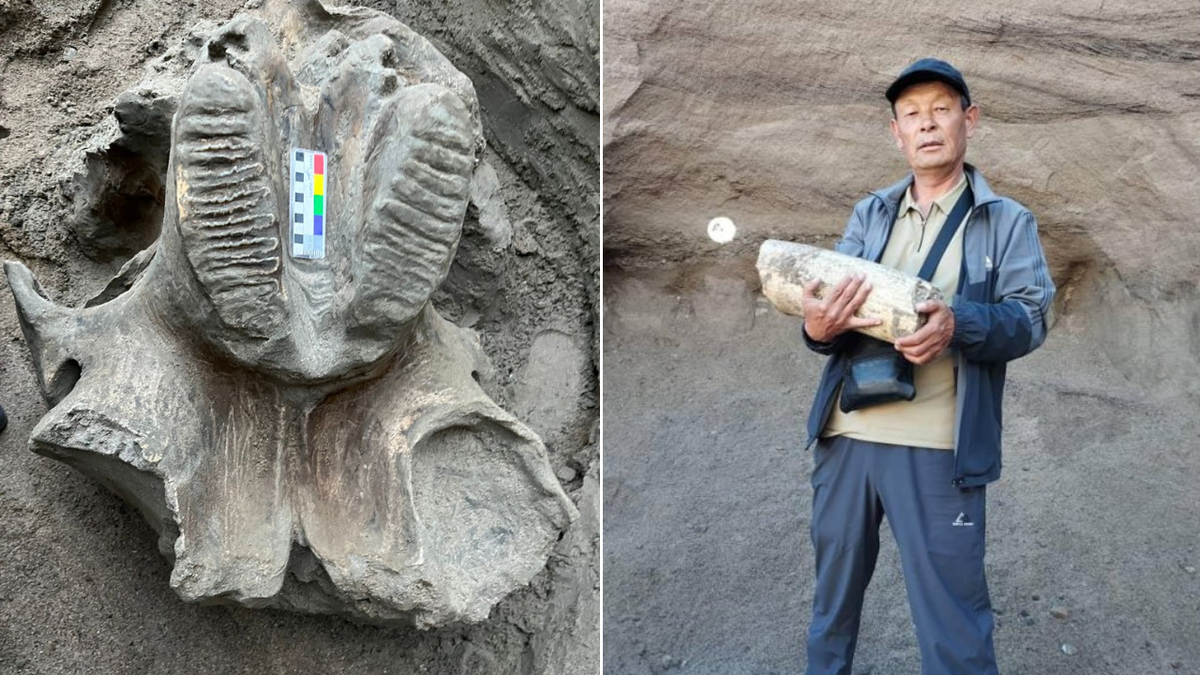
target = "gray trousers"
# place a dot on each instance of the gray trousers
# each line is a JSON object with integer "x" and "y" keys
{"x": 940, "y": 531}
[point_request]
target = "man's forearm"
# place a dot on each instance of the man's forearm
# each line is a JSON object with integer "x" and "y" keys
{"x": 994, "y": 332}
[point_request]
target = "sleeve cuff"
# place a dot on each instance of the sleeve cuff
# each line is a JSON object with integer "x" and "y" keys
{"x": 818, "y": 347}
{"x": 956, "y": 339}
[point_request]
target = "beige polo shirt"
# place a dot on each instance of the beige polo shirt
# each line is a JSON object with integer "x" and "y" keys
{"x": 927, "y": 421}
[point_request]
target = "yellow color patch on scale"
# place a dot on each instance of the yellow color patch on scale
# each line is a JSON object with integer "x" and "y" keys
{"x": 318, "y": 184}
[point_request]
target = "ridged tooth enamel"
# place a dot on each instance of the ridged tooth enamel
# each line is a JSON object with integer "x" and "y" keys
{"x": 416, "y": 217}
{"x": 225, "y": 201}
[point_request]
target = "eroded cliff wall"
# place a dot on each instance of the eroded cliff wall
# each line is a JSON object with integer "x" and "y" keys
{"x": 773, "y": 114}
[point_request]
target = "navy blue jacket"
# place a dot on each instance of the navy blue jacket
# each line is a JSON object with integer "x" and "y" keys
{"x": 1001, "y": 313}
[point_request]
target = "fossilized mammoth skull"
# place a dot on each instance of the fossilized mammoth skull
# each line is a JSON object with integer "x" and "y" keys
{"x": 305, "y": 433}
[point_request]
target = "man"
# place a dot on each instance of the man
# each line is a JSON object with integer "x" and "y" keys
{"x": 923, "y": 463}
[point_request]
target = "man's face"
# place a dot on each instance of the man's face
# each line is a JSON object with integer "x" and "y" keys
{"x": 931, "y": 128}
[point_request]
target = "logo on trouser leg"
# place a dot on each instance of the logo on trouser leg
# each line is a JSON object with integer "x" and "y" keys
{"x": 961, "y": 521}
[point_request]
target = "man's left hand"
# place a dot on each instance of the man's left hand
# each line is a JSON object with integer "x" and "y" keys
{"x": 933, "y": 338}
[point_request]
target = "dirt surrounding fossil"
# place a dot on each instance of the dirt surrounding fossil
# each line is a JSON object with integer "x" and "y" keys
{"x": 82, "y": 588}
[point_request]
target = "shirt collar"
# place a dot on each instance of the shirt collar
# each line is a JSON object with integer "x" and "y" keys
{"x": 944, "y": 203}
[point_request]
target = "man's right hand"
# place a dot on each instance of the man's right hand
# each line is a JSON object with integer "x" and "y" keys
{"x": 826, "y": 319}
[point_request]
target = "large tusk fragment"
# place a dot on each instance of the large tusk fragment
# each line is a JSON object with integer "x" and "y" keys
{"x": 785, "y": 268}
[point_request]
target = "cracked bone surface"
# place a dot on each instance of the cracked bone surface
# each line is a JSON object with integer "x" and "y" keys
{"x": 305, "y": 434}
{"x": 785, "y": 267}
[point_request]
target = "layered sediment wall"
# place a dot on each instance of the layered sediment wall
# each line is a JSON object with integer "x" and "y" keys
{"x": 773, "y": 115}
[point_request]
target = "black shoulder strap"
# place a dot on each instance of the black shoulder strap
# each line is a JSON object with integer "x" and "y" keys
{"x": 957, "y": 215}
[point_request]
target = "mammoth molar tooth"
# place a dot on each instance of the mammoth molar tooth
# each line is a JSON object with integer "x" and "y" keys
{"x": 225, "y": 200}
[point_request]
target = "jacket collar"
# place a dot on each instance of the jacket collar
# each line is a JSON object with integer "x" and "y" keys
{"x": 892, "y": 194}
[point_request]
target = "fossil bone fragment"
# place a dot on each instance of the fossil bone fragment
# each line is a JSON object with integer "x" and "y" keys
{"x": 305, "y": 433}
{"x": 785, "y": 267}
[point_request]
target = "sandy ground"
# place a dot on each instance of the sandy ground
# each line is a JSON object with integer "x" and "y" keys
{"x": 707, "y": 560}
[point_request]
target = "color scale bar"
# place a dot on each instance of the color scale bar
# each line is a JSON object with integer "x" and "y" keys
{"x": 307, "y": 211}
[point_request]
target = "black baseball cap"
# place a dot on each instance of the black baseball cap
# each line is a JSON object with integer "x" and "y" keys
{"x": 928, "y": 70}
